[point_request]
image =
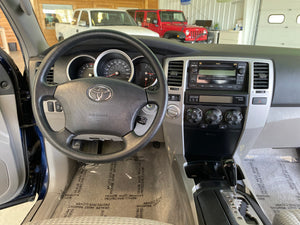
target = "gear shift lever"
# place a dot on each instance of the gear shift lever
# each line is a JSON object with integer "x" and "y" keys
{"x": 230, "y": 173}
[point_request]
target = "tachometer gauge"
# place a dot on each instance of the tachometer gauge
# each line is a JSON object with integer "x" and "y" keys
{"x": 114, "y": 63}
{"x": 81, "y": 66}
{"x": 144, "y": 74}
{"x": 86, "y": 70}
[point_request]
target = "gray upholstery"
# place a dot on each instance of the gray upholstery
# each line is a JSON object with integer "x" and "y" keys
{"x": 287, "y": 217}
{"x": 97, "y": 220}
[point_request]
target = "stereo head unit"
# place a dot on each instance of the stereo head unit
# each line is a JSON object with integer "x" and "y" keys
{"x": 217, "y": 75}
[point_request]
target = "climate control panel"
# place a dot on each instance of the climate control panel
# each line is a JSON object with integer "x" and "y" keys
{"x": 214, "y": 117}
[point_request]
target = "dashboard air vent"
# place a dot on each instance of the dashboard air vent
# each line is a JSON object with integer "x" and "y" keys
{"x": 261, "y": 76}
{"x": 50, "y": 75}
{"x": 175, "y": 73}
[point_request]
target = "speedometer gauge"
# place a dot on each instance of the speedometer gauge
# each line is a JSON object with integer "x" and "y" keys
{"x": 117, "y": 68}
{"x": 114, "y": 63}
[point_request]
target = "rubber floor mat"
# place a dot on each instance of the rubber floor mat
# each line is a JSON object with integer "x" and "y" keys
{"x": 141, "y": 186}
{"x": 274, "y": 175}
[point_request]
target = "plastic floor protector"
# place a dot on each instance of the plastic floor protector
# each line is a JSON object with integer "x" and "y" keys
{"x": 140, "y": 186}
{"x": 274, "y": 175}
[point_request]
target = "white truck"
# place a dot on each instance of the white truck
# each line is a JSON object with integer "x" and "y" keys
{"x": 86, "y": 19}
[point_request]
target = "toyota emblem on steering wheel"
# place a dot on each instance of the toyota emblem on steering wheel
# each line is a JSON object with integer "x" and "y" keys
{"x": 99, "y": 93}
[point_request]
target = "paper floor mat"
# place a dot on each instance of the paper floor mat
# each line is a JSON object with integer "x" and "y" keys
{"x": 141, "y": 186}
{"x": 274, "y": 175}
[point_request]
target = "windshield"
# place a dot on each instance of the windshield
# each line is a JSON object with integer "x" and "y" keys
{"x": 169, "y": 16}
{"x": 111, "y": 18}
{"x": 265, "y": 23}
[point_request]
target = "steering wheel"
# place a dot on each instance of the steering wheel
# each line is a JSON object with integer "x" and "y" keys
{"x": 98, "y": 105}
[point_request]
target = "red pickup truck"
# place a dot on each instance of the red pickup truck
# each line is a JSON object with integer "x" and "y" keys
{"x": 169, "y": 24}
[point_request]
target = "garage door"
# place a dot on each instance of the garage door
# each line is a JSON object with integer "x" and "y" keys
{"x": 279, "y": 23}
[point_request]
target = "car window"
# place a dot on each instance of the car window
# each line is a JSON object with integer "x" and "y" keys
{"x": 75, "y": 17}
{"x": 151, "y": 17}
{"x": 139, "y": 17}
{"x": 9, "y": 42}
{"x": 230, "y": 22}
{"x": 169, "y": 16}
{"x": 111, "y": 18}
{"x": 84, "y": 19}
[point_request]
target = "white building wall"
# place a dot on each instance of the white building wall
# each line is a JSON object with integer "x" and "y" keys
{"x": 225, "y": 14}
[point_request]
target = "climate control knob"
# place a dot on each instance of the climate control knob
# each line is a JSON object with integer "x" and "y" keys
{"x": 213, "y": 116}
{"x": 194, "y": 115}
{"x": 233, "y": 117}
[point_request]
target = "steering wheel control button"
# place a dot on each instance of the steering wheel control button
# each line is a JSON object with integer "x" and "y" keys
{"x": 50, "y": 106}
{"x": 259, "y": 101}
{"x": 141, "y": 120}
{"x": 58, "y": 107}
{"x": 99, "y": 93}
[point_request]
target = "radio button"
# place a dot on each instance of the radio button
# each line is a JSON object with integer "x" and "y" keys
{"x": 241, "y": 70}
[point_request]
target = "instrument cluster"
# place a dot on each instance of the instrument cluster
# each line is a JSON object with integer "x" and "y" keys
{"x": 115, "y": 64}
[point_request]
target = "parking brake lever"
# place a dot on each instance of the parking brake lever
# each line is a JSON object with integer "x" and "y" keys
{"x": 230, "y": 173}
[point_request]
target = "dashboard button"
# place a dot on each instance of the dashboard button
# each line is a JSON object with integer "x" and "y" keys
{"x": 259, "y": 101}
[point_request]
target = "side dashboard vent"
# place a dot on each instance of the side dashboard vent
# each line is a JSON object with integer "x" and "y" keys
{"x": 175, "y": 73}
{"x": 261, "y": 76}
{"x": 50, "y": 75}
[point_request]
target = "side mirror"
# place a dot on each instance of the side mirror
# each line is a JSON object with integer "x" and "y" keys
{"x": 139, "y": 23}
{"x": 82, "y": 23}
{"x": 155, "y": 21}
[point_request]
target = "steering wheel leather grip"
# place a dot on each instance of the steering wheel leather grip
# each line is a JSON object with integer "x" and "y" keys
{"x": 98, "y": 105}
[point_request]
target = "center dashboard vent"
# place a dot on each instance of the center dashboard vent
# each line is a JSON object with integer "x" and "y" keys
{"x": 261, "y": 76}
{"x": 175, "y": 73}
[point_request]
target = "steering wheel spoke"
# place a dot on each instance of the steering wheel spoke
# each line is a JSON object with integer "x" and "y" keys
{"x": 153, "y": 97}
{"x": 63, "y": 137}
{"x": 46, "y": 91}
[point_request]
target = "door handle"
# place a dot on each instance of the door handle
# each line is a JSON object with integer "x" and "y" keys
{"x": 77, "y": 30}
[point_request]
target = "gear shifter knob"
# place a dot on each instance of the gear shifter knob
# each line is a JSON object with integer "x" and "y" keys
{"x": 230, "y": 173}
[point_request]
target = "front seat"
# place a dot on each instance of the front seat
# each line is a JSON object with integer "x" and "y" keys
{"x": 287, "y": 217}
{"x": 97, "y": 220}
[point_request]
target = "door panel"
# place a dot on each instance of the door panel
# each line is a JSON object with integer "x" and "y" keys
{"x": 12, "y": 163}
{"x": 21, "y": 173}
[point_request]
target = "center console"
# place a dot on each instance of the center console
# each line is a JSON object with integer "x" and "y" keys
{"x": 215, "y": 103}
{"x": 216, "y": 110}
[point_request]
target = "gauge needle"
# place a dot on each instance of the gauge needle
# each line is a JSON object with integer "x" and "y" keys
{"x": 114, "y": 74}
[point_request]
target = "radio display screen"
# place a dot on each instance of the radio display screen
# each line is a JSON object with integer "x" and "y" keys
{"x": 213, "y": 76}
{"x": 205, "y": 72}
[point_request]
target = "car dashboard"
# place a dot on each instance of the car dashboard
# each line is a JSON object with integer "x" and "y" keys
{"x": 223, "y": 93}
